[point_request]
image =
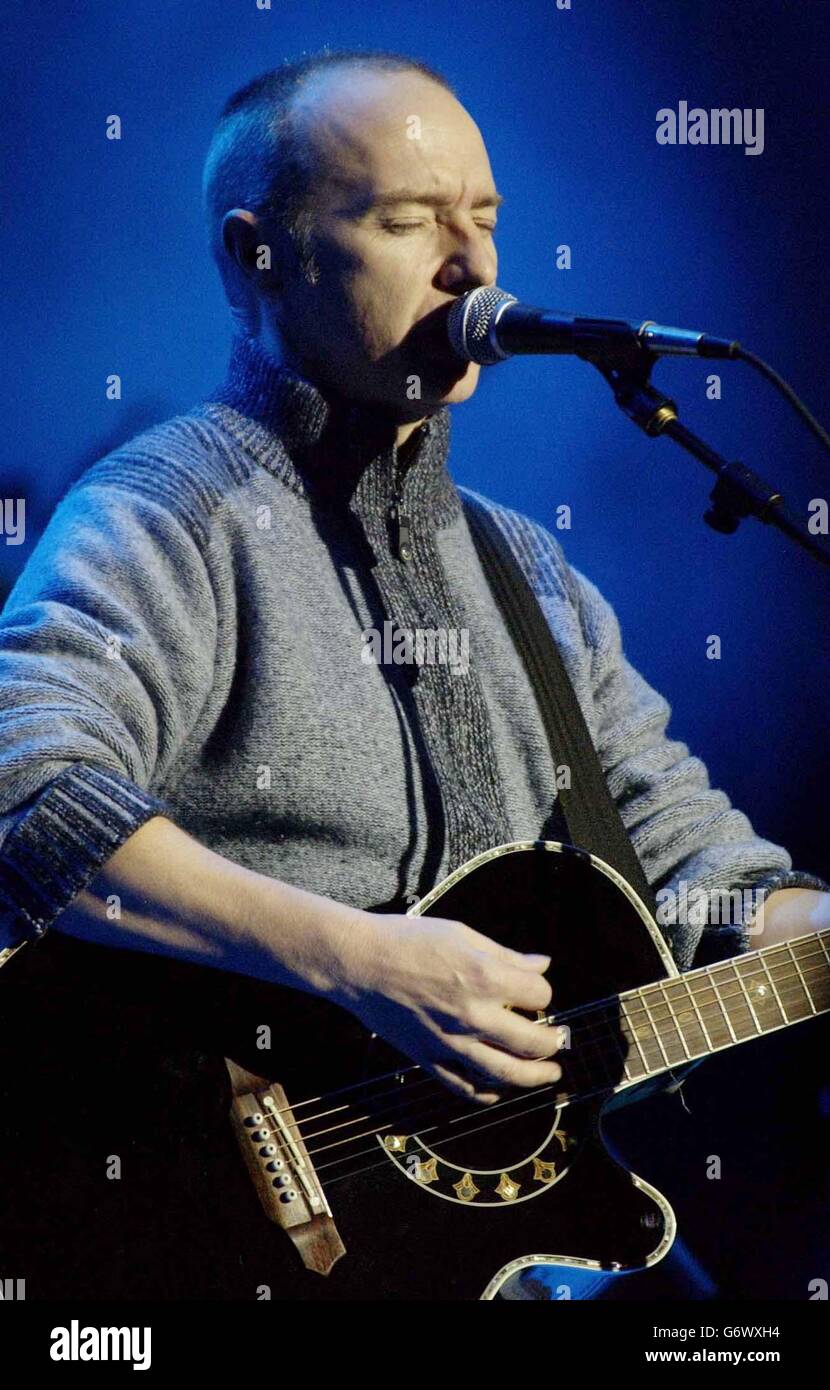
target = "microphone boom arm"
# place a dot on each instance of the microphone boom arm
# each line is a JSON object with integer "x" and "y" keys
{"x": 738, "y": 492}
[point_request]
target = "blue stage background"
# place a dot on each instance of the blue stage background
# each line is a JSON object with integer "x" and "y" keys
{"x": 111, "y": 275}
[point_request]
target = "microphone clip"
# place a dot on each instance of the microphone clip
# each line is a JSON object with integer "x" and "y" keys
{"x": 634, "y": 394}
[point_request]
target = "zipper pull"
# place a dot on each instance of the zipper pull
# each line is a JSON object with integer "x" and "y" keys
{"x": 402, "y": 532}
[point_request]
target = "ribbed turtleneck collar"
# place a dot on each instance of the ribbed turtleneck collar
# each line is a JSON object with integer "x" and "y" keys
{"x": 333, "y": 451}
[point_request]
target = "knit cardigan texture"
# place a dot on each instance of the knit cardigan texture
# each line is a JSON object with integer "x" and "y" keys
{"x": 199, "y": 633}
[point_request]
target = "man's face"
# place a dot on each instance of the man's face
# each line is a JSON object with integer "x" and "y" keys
{"x": 404, "y": 209}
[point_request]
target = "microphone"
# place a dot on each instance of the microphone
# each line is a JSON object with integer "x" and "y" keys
{"x": 487, "y": 325}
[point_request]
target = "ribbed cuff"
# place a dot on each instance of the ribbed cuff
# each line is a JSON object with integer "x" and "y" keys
{"x": 80, "y": 819}
{"x": 735, "y": 939}
{"x": 791, "y": 878}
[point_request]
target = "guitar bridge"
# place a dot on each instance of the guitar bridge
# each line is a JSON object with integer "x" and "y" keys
{"x": 280, "y": 1168}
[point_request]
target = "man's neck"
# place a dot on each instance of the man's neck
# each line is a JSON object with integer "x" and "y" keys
{"x": 408, "y": 436}
{"x": 407, "y": 431}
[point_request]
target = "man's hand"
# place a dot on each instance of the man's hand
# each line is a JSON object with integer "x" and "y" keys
{"x": 436, "y": 990}
{"x": 788, "y": 913}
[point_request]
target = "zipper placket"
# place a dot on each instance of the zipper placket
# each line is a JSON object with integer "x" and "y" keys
{"x": 400, "y": 522}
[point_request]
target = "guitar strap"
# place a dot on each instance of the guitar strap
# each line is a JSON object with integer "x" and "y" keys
{"x": 591, "y": 816}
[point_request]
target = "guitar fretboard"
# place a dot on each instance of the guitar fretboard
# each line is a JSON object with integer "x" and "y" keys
{"x": 649, "y": 1030}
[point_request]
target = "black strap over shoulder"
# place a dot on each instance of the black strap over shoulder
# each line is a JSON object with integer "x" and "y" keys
{"x": 592, "y": 818}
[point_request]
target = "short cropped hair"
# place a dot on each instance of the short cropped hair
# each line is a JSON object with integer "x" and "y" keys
{"x": 258, "y": 158}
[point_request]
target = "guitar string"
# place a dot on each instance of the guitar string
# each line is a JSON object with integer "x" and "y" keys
{"x": 561, "y": 1101}
{"x": 602, "y": 1005}
{"x": 383, "y": 1162}
{"x": 441, "y": 1091}
{"x": 480, "y": 1119}
{"x": 690, "y": 999}
{"x": 585, "y": 1039}
{"x": 565, "y": 1098}
{"x": 485, "y": 1123}
{"x": 476, "y": 1129}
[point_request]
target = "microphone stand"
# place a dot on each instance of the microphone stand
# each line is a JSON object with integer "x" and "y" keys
{"x": 738, "y": 492}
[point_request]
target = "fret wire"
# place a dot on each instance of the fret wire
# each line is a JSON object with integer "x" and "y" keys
{"x": 711, "y": 982}
{"x": 646, "y": 1040}
{"x": 728, "y": 986}
{"x": 692, "y": 1015}
{"x": 729, "y": 976}
{"x": 800, "y": 975}
{"x": 691, "y": 995}
{"x": 674, "y": 1012}
{"x": 711, "y": 1047}
{"x": 744, "y": 977}
{"x": 762, "y": 966}
{"x": 742, "y": 984}
{"x": 789, "y": 980}
{"x": 716, "y": 1002}
{"x": 620, "y": 1010}
{"x": 794, "y": 991}
{"x": 697, "y": 1011}
{"x": 635, "y": 1037}
{"x": 661, "y": 986}
{"x": 788, "y": 948}
{"x": 698, "y": 1005}
{"x": 623, "y": 1024}
{"x": 656, "y": 1031}
{"x": 775, "y": 994}
{"x": 708, "y": 978}
{"x": 722, "y": 994}
{"x": 677, "y": 1028}
{"x": 725, "y": 1012}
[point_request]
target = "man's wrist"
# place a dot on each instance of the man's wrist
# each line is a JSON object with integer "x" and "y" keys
{"x": 788, "y": 913}
{"x": 302, "y": 939}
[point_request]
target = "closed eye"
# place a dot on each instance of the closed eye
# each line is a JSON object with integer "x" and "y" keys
{"x": 400, "y": 227}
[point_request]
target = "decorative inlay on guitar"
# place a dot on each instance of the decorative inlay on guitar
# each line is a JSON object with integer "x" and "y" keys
{"x": 391, "y": 1187}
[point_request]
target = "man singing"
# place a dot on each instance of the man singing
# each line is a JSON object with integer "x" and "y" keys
{"x": 199, "y": 767}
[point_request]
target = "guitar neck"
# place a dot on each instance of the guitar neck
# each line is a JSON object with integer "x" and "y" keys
{"x": 649, "y": 1030}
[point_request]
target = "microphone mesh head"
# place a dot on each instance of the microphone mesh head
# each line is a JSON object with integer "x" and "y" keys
{"x": 469, "y": 323}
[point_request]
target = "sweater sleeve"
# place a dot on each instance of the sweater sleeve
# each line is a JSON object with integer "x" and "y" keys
{"x": 107, "y": 647}
{"x": 695, "y": 847}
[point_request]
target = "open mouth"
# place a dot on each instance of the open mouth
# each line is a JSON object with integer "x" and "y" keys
{"x": 438, "y": 348}
{"x": 435, "y": 338}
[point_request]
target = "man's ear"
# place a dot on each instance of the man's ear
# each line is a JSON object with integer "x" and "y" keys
{"x": 245, "y": 237}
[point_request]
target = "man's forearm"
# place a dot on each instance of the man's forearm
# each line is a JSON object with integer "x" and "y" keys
{"x": 164, "y": 892}
{"x": 788, "y": 913}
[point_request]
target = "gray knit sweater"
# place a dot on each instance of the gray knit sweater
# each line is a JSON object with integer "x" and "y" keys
{"x": 192, "y": 636}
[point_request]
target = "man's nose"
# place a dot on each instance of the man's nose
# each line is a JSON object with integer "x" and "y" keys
{"x": 468, "y": 265}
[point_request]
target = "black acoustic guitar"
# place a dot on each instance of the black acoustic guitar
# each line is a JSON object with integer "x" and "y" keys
{"x": 489, "y": 1191}
{"x": 371, "y": 1181}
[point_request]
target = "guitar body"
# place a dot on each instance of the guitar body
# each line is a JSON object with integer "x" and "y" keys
{"x": 432, "y": 1198}
{"x": 450, "y": 1210}
{"x": 409, "y": 1245}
